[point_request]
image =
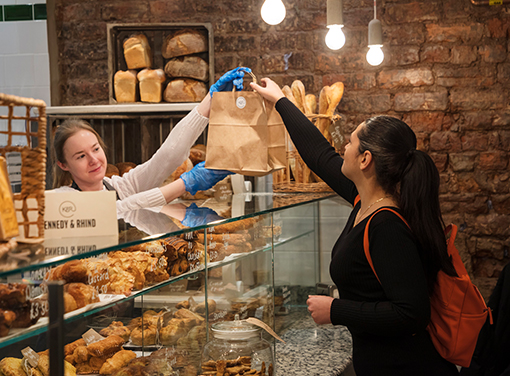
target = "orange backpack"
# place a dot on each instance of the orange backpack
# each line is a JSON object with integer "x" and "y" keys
{"x": 458, "y": 310}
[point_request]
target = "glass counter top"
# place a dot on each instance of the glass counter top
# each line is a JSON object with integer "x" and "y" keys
{"x": 174, "y": 219}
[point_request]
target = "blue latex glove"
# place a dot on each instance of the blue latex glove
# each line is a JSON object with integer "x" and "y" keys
{"x": 196, "y": 216}
{"x": 201, "y": 178}
{"x": 229, "y": 79}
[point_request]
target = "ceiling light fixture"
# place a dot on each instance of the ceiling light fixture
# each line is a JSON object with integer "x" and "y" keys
{"x": 335, "y": 38}
{"x": 273, "y": 12}
{"x": 375, "y": 55}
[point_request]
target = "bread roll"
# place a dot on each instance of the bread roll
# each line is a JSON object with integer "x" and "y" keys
{"x": 184, "y": 42}
{"x": 83, "y": 294}
{"x": 185, "y": 90}
{"x": 116, "y": 362}
{"x": 125, "y": 85}
{"x": 189, "y": 67}
{"x": 111, "y": 170}
{"x": 137, "y": 52}
{"x": 196, "y": 156}
{"x": 109, "y": 345}
{"x": 151, "y": 84}
{"x": 125, "y": 167}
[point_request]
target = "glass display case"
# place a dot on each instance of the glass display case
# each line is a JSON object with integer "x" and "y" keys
{"x": 154, "y": 291}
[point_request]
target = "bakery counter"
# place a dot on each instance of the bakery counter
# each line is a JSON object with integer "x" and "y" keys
{"x": 311, "y": 349}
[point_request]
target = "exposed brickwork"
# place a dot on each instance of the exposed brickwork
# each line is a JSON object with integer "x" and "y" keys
{"x": 446, "y": 73}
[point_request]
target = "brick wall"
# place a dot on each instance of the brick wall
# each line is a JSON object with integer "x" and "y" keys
{"x": 446, "y": 73}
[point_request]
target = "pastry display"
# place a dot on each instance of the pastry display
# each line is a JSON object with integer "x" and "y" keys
{"x": 137, "y": 52}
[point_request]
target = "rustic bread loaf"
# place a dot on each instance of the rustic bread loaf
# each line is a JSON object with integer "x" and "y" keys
{"x": 188, "y": 66}
{"x": 125, "y": 85}
{"x": 125, "y": 167}
{"x": 184, "y": 42}
{"x": 151, "y": 84}
{"x": 137, "y": 52}
{"x": 185, "y": 90}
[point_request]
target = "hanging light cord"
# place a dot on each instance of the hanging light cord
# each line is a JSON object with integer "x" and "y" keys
{"x": 375, "y": 9}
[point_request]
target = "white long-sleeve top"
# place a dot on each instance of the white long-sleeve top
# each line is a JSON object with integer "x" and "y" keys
{"x": 138, "y": 188}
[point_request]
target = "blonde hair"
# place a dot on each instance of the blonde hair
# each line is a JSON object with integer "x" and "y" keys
{"x": 65, "y": 130}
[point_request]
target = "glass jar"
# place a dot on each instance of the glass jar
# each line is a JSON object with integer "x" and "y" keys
{"x": 236, "y": 347}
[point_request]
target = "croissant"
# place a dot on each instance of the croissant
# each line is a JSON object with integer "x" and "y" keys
{"x": 117, "y": 361}
{"x": 106, "y": 346}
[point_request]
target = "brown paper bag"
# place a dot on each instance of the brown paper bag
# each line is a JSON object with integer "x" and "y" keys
{"x": 246, "y": 134}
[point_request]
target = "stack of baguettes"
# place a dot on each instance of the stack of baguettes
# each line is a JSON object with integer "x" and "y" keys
{"x": 322, "y": 114}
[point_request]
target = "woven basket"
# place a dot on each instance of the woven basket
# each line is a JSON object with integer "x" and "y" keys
{"x": 29, "y": 203}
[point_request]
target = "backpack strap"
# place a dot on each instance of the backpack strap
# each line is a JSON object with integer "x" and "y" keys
{"x": 356, "y": 200}
{"x": 366, "y": 245}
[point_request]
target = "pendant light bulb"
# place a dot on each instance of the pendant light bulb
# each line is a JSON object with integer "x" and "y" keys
{"x": 273, "y": 12}
{"x": 335, "y": 38}
{"x": 375, "y": 55}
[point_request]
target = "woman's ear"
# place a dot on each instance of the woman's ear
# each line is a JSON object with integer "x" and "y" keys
{"x": 366, "y": 160}
{"x": 62, "y": 166}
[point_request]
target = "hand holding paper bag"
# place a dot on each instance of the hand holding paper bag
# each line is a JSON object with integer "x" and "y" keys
{"x": 229, "y": 79}
{"x": 201, "y": 178}
{"x": 246, "y": 134}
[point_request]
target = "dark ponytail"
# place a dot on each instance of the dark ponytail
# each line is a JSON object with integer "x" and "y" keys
{"x": 411, "y": 177}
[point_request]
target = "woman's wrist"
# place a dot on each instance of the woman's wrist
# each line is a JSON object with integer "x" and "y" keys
{"x": 204, "y": 108}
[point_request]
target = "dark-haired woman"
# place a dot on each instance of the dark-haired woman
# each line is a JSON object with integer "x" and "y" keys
{"x": 387, "y": 319}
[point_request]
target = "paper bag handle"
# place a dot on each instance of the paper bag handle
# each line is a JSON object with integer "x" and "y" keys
{"x": 252, "y": 76}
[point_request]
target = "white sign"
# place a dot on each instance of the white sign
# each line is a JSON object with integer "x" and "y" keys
{"x": 78, "y": 214}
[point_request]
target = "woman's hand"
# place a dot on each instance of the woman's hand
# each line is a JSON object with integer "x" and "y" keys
{"x": 230, "y": 79}
{"x": 269, "y": 90}
{"x": 201, "y": 179}
{"x": 320, "y": 308}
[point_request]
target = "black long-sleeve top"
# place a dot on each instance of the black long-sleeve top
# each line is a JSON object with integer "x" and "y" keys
{"x": 387, "y": 320}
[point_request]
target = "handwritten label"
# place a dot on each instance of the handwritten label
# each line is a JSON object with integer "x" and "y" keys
{"x": 75, "y": 214}
{"x": 336, "y": 134}
{"x": 31, "y": 355}
{"x": 91, "y": 336}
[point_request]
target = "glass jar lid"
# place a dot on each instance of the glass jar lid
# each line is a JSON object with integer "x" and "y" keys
{"x": 234, "y": 330}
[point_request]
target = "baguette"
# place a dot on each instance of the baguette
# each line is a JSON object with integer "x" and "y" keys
{"x": 298, "y": 90}
{"x": 310, "y": 104}
{"x": 334, "y": 95}
{"x": 287, "y": 91}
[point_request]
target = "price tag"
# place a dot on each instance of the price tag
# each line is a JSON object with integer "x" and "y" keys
{"x": 337, "y": 136}
{"x": 31, "y": 355}
{"x": 91, "y": 336}
{"x": 263, "y": 325}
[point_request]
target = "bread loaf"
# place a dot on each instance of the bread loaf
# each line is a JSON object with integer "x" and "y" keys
{"x": 184, "y": 42}
{"x": 188, "y": 66}
{"x": 185, "y": 90}
{"x": 125, "y": 85}
{"x": 196, "y": 155}
{"x": 151, "y": 85}
{"x": 137, "y": 52}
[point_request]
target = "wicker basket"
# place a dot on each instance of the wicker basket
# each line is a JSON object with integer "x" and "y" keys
{"x": 29, "y": 202}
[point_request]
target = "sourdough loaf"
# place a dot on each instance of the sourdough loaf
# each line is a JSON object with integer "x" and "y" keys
{"x": 184, "y": 42}
{"x": 137, "y": 52}
{"x": 185, "y": 90}
{"x": 151, "y": 85}
{"x": 188, "y": 66}
{"x": 125, "y": 85}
